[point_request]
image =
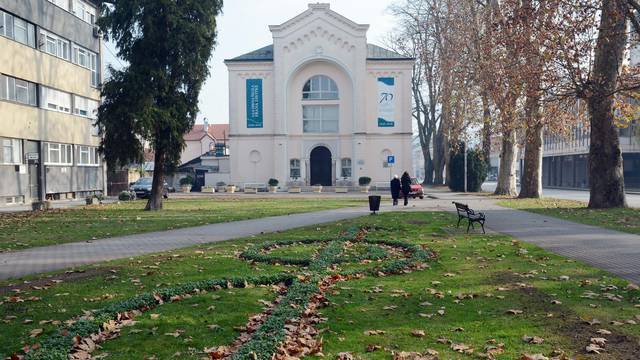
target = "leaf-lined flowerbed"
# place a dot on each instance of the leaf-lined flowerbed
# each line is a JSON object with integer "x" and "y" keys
{"x": 60, "y": 344}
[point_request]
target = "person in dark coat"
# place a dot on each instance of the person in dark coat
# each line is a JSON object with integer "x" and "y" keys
{"x": 395, "y": 189}
{"x": 405, "y": 181}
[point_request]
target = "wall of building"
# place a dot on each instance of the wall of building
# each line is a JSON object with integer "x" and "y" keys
{"x": 34, "y": 125}
{"x": 318, "y": 42}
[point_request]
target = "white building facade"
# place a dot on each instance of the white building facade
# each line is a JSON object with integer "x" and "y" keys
{"x": 320, "y": 106}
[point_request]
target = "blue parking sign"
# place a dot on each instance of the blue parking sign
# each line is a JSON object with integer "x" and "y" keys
{"x": 391, "y": 159}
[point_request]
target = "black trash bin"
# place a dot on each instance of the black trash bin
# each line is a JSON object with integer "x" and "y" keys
{"x": 374, "y": 203}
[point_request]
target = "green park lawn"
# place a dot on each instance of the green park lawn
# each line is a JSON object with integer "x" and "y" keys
{"x": 402, "y": 282}
{"x": 625, "y": 220}
{"x": 24, "y": 230}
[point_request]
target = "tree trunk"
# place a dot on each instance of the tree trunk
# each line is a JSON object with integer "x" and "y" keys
{"x": 157, "y": 186}
{"x": 531, "y": 179}
{"x": 438, "y": 158}
{"x": 606, "y": 177}
{"x": 486, "y": 129}
{"x": 428, "y": 169}
{"x": 508, "y": 160}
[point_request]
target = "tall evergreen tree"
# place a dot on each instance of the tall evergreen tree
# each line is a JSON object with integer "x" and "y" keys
{"x": 153, "y": 100}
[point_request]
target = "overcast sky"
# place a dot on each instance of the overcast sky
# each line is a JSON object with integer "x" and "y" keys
{"x": 243, "y": 27}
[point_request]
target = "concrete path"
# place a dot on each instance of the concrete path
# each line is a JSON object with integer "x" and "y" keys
{"x": 614, "y": 251}
{"x": 57, "y": 257}
{"x": 610, "y": 250}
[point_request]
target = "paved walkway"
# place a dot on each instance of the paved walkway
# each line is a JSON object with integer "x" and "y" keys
{"x": 614, "y": 251}
{"x": 57, "y": 257}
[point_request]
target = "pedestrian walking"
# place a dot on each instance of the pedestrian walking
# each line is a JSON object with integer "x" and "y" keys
{"x": 405, "y": 181}
{"x": 395, "y": 189}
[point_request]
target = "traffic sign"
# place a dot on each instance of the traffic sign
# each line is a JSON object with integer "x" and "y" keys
{"x": 391, "y": 159}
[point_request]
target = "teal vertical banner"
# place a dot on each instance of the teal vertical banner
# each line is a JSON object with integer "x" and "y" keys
{"x": 254, "y": 104}
{"x": 386, "y": 102}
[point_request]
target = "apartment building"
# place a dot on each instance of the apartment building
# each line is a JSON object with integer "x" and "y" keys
{"x": 50, "y": 74}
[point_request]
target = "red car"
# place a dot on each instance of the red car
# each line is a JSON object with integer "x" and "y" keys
{"x": 416, "y": 189}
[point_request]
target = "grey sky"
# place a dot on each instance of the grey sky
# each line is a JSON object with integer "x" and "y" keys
{"x": 243, "y": 27}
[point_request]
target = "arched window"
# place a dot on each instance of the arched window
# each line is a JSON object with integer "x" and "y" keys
{"x": 320, "y": 87}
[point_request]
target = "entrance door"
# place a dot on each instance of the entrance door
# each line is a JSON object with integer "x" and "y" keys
{"x": 321, "y": 166}
{"x": 199, "y": 183}
{"x": 33, "y": 181}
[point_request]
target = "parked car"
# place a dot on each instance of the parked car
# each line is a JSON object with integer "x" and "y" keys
{"x": 142, "y": 188}
{"x": 416, "y": 189}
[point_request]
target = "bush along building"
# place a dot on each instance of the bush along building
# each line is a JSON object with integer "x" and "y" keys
{"x": 50, "y": 61}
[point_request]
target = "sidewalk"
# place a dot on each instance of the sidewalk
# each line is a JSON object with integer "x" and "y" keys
{"x": 58, "y": 257}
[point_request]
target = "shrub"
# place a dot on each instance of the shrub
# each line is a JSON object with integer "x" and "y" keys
{"x": 186, "y": 181}
{"x": 476, "y": 170}
{"x": 126, "y": 195}
{"x": 273, "y": 182}
{"x": 364, "y": 180}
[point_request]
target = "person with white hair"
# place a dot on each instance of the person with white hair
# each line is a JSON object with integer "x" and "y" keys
{"x": 395, "y": 189}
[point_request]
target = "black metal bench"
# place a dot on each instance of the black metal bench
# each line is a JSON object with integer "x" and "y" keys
{"x": 472, "y": 216}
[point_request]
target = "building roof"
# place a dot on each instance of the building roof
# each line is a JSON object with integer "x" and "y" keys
{"x": 374, "y": 52}
{"x": 216, "y": 131}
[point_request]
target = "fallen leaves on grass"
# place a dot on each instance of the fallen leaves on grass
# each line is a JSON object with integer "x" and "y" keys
{"x": 532, "y": 339}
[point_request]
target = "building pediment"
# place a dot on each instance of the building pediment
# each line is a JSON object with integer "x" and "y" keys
{"x": 322, "y": 12}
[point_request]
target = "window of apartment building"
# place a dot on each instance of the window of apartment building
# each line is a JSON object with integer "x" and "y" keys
{"x": 88, "y": 60}
{"x": 58, "y": 154}
{"x": 84, "y": 11}
{"x": 17, "y": 90}
{"x": 88, "y": 155}
{"x": 85, "y": 107}
{"x": 17, "y": 29}
{"x": 55, "y": 100}
{"x": 55, "y": 45}
{"x": 294, "y": 168}
{"x": 11, "y": 151}
{"x": 346, "y": 167}
{"x": 64, "y": 4}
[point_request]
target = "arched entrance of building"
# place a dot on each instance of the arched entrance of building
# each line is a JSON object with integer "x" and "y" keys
{"x": 320, "y": 163}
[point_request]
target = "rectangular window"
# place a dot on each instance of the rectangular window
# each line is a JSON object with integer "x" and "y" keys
{"x": 55, "y": 45}
{"x": 84, "y": 11}
{"x": 346, "y": 168}
{"x": 81, "y": 56}
{"x": 320, "y": 118}
{"x": 11, "y": 152}
{"x": 64, "y": 4}
{"x": 85, "y": 107}
{"x": 294, "y": 168}
{"x": 17, "y": 90}
{"x": 93, "y": 66}
{"x": 58, "y": 154}
{"x": 17, "y": 29}
{"x": 56, "y": 100}
{"x": 88, "y": 156}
